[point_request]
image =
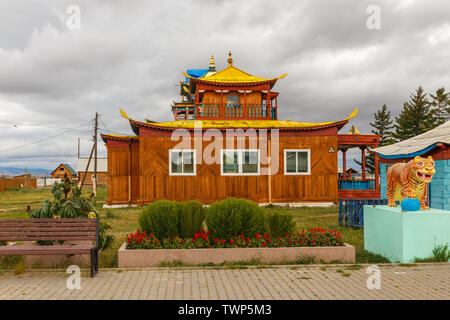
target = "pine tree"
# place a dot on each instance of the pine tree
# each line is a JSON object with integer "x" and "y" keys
{"x": 415, "y": 118}
{"x": 382, "y": 126}
{"x": 440, "y": 106}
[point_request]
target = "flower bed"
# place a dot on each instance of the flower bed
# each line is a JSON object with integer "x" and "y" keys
{"x": 317, "y": 237}
{"x": 3, "y": 243}
{"x": 144, "y": 250}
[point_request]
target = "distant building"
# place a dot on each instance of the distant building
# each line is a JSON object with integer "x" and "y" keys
{"x": 350, "y": 173}
{"x": 24, "y": 176}
{"x": 102, "y": 169}
{"x": 62, "y": 170}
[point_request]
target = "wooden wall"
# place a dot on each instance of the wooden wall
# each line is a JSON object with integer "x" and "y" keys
{"x": 208, "y": 185}
{"x": 119, "y": 172}
{"x": 6, "y": 183}
{"x": 58, "y": 173}
{"x": 102, "y": 178}
{"x": 212, "y": 97}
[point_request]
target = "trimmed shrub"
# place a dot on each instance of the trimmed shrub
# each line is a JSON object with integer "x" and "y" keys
{"x": 191, "y": 217}
{"x": 161, "y": 217}
{"x": 280, "y": 224}
{"x": 232, "y": 217}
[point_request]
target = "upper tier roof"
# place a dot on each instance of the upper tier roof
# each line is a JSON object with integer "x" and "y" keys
{"x": 231, "y": 74}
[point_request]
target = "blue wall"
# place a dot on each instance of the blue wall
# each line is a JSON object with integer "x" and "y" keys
{"x": 439, "y": 186}
{"x": 383, "y": 181}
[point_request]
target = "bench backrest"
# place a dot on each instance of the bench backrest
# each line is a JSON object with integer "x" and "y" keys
{"x": 49, "y": 229}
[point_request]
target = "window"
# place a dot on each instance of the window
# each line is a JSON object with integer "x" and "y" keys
{"x": 182, "y": 162}
{"x": 239, "y": 162}
{"x": 61, "y": 169}
{"x": 297, "y": 161}
{"x": 233, "y": 99}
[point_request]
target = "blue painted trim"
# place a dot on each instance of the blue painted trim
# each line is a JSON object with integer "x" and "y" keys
{"x": 408, "y": 155}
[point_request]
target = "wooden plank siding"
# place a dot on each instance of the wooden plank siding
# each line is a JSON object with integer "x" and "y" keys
{"x": 6, "y": 183}
{"x": 150, "y": 179}
{"x": 102, "y": 178}
{"x": 118, "y": 172}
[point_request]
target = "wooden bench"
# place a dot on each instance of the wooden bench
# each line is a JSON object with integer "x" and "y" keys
{"x": 54, "y": 230}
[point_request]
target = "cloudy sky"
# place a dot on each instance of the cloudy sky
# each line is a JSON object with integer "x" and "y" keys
{"x": 130, "y": 55}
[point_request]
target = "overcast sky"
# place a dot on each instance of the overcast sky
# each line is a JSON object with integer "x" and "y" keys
{"x": 131, "y": 54}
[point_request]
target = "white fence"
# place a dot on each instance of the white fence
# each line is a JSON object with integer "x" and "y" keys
{"x": 47, "y": 182}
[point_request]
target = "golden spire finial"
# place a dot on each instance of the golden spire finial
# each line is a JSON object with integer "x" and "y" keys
{"x": 230, "y": 60}
{"x": 212, "y": 64}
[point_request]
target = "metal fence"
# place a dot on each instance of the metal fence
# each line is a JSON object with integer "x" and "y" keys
{"x": 351, "y": 211}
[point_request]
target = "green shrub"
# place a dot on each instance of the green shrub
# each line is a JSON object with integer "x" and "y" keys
{"x": 441, "y": 253}
{"x": 191, "y": 217}
{"x": 232, "y": 217}
{"x": 279, "y": 224}
{"x": 161, "y": 218}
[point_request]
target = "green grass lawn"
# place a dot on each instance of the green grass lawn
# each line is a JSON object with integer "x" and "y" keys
{"x": 13, "y": 204}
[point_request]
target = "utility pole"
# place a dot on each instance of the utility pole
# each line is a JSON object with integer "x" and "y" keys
{"x": 94, "y": 182}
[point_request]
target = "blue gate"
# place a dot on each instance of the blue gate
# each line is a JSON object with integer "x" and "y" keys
{"x": 351, "y": 211}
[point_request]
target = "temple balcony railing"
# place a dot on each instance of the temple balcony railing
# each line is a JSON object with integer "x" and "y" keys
{"x": 235, "y": 111}
{"x": 367, "y": 184}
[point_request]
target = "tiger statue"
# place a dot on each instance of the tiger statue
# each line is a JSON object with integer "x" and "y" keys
{"x": 408, "y": 180}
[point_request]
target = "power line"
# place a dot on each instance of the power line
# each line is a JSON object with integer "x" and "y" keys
{"x": 114, "y": 132}
{"x": 16, "y": 124}
{"x": 45, "y": 139}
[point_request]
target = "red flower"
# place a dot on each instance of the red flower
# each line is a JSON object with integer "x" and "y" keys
{"x": 264, "y": 244}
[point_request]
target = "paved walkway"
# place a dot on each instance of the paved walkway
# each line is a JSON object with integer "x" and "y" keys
{"x": 285, "y": 282}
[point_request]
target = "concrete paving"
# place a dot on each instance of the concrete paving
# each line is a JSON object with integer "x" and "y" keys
{"x": 419, "y": 281}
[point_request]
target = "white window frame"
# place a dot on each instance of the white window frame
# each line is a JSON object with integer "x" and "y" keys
{"x": 182, "y": 166}
{"x": 240, "y": 162}
{"x": 308, "y": 173}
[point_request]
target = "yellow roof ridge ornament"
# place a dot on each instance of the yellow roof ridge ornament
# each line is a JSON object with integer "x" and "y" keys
{"x": 124, "y": 114}
{"x": 230, "y": 59}
{"x": 212, "y": 64}
{"x": 352, "y": 115}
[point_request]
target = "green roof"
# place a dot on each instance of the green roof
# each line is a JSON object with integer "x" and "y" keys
{"x": 68, "y": 167}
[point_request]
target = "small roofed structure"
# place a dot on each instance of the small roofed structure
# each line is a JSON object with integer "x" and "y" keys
{"x": 228, "y": 93}
{"x": 365, "y": 187}
{"x": 62, "y": 170}
{"x": 435, "y": 143}
{"x": 102, "y": 169}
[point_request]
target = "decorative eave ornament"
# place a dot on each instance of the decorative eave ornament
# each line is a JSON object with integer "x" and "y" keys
{"x": 230, "y": 59}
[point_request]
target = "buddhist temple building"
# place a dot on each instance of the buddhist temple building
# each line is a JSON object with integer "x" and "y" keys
{"x": 226, "y": 141}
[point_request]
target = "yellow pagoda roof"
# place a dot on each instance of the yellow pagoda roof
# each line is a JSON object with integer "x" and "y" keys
{"x": 232, "y": 74}
{"x": 223, "y": 124}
